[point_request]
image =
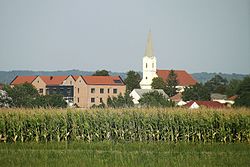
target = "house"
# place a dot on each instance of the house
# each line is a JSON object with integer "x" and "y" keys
{"x": 137, "y": 94}
{"x": 222, "y": 99}
{"x": 95, "y": 90}
{"x": 206, "y": 104}
{"x": 178, "y": 99}
{"x": 84, "y": 91}
{"x": 150, "y": 70}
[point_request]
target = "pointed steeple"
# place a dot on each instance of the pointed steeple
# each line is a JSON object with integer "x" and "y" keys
{"x": 149, "y": 47}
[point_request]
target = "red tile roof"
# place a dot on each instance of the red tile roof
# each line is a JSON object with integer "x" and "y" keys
{"x": 103, "y": 80}
{"x": 23, "y": 79}
{"x": 208, "y": 104}
{"x": 183, "y": 77}
{"x": 53, "y": 80}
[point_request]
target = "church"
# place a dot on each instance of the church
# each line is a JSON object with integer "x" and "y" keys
{"x": 150, "y": 71}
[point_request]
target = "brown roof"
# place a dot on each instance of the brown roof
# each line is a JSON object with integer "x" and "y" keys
{"x": 103, "y": 80}
{"x": 233, "y": 97}
{"x": 23, "y": 79}
{"x": 53, "y": 80}
{"x": 177, "y": 97}
{"x": 208, "y": 104}
{"x": 183, "y": 77}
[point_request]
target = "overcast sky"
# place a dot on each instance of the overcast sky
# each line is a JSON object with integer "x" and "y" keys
{"x": 194, "y": 35}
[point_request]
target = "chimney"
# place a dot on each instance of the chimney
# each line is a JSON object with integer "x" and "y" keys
{"x": 51, "y": 77}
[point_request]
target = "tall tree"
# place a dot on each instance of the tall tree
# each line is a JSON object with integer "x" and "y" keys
{"x": 171, "y": 82}
{"x": 101, "y": 73}
{"x": 232, "y": 87}
{"x": 158, "y": 83}
{"x": 132, "y": 81}
{"x": 217, "y": 84}
{"x": 243, "y": 93}
{"x": 196, "y": 92}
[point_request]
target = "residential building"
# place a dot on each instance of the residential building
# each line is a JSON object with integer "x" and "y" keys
{"x": 84, "y": 91}
{"x": 206, "y": 104}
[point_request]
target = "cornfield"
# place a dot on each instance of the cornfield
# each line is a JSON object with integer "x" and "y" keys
{"x": 119, "y": 125}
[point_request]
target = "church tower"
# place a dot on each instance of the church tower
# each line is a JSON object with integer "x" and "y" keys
{"x": 149, "y": 65}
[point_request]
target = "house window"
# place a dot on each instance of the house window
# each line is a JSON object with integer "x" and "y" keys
{"x": 92, "y": 100}
{"x": 37, "y": 81}
{"x": 92, "y": 90}
{"x": 101, "y": 90}
{"x": 108, "y": 90}
{"x": 101, "y": 101}
{"x": 115, "y": 91}
{"x": 78, "y": 100}
{"x": 41, "y": 90}
{"x": 146, "y": 65}
{"x": 146, "y": 77}
{"x": 78, "y": 90}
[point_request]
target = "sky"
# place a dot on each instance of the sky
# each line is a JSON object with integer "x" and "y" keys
{"x": 193, "y": 35}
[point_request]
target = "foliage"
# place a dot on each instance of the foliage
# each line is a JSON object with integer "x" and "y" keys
{"x": 158, "y": 83}
{"x": 132, "y": 81}
{"x": 144, "y": 125}
{"x": 232, "y": 87}
{"x": 155, "y": 99}
{"x": 244, "y": 93}
{"x": 196, "y": 92}
{"x": 217, "y": 84}
{"x": 171, "y": 82}
{"x": 23, "y": 95}
{"x": 5, "y": 100}
{"x": 120, "y": 101}
{"x": 101, "y": 73}
{"x": 26, "y": 95}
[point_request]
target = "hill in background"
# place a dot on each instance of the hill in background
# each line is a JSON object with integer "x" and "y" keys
{"x": 7, "y": 76}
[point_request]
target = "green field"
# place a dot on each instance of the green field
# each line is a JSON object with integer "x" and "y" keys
{"x": 125, "y": 137}
{"x": 124, "y": 154}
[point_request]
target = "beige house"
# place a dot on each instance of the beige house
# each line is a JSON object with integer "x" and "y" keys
{"x": 84, "y": 91}
{"x": 94, "y": 90}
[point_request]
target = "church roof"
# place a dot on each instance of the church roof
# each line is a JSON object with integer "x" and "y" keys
{"x": 149, "y": 47}
{"x": 183, "y": 77}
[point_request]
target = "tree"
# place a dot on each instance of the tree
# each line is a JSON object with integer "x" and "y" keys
{"x": 171, "y": 82}
{"x": 197, "y": 92}
{"x": 217, "y": 84}
{"x": 132, "y": 81}
{"x": 155, "y": 99}
{"x": 23, "y": 95}
{"x": 26, "y": 95}
{"x": 120, "y": 101}
{"x": 5, "y": 100}
{"x": 158, "y": 83}
{"x": 243, "y": 93}
{"x": 101, "y": 73}
{"x": 232, "y": 87}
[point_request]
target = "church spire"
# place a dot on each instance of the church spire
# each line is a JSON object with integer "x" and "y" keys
{"x": 149, "y": 47}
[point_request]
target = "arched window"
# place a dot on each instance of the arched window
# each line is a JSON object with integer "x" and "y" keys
{"x": 146, "y": 65}
{"x": 146, "y": 77}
